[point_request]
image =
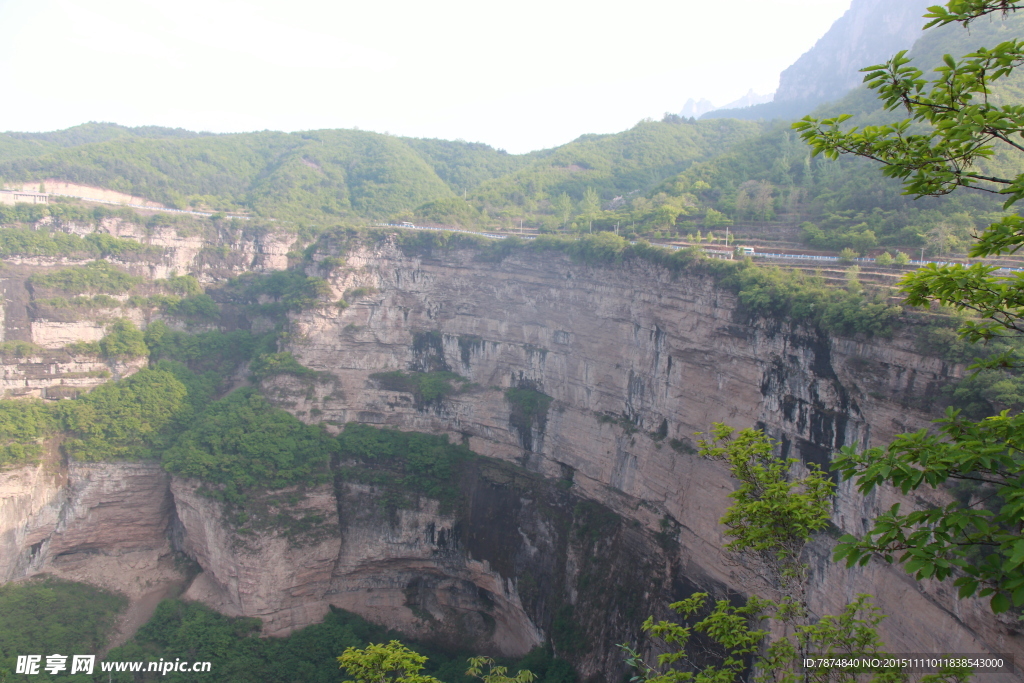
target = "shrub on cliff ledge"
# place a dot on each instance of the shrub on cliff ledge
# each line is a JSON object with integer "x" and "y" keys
{"x": 283, "y": 363}
{"x": 404, "y": 462}
{"x": 793, "y": 295}
{"x": 290, "y": 290}
{"x": 242, "y": 442}
{"x": 123, "y": 340}
{"x": 426, "y": 387}
{"x": 120, "y": 420}
{"x": 97, "y": 276}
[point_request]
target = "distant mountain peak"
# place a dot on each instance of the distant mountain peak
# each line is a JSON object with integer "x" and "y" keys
{"x": 697, "y": 108}
{"x": 869, "y": 32}
{"x": 694, "y": 108}
{"x": 748, "y": 100}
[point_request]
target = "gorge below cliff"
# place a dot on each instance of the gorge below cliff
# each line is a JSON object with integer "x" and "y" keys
{"x": 573, "y": 520}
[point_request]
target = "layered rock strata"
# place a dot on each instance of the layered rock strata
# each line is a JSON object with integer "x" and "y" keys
{"x": 602, "y": 514}
{"x": 635, "y": 358}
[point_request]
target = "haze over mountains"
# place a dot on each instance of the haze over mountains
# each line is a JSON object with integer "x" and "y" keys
{"x": 644, "y": 177}
{"x": 697, "y": 108}
{"x": 868, "y": 33}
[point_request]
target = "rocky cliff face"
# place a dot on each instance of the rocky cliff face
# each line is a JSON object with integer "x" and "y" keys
{"x": 582, "y": 520}
{"x": 868, "y": 33}
{"x": 102, "y": 523}
{"x": 635, "y": 360}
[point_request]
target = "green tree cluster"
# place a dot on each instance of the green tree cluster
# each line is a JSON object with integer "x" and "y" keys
{"x": 123, "y": 340}
{"x": 121, "y": 420}
{"x": 23, "y": 424}
{"x": 290, "y": 290}
{"x": 242, "y": 442}
{"x": 43, "y": 616}
{"x": 404, "y": 463}
{"x": 97, "y": 276}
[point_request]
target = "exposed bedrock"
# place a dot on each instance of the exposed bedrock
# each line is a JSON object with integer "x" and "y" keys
{"x": 586, "y": 518}
{"x": 103, "y": 523}
{"x": 634, "y": 357}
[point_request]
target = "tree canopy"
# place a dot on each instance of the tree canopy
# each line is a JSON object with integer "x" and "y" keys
{"x": 953, "y": 132}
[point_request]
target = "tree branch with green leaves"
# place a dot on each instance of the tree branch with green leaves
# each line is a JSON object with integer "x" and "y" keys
{"x": 761, "y": 640}
{"x": 953, "y": 127}
{"x": 772, "y": 517}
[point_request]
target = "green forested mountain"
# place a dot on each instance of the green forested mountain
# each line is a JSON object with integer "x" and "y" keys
{"x": 334, "y": 175}
{"x": 675, "y": 176}
{"x": 771, "y": 179}
{"x": 627, "y": 163}
{"x": 14, "y": 145}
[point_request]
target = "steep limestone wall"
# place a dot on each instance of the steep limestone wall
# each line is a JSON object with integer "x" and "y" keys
{"x": 102, "y": 523}
{"x": 633, "y": 357}
{"x": 602, "y": 514}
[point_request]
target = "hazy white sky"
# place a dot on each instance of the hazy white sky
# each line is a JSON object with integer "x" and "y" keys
{"x": 520, "y": 76}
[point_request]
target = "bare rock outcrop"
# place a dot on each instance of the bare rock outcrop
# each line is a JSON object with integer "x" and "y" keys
{"x": 636, "y": 359}
{"x": 591, "y": 513}
{"x": 101, "y": 523}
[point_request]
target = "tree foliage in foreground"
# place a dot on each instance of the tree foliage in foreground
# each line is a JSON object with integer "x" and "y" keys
{"x": 394, "y": 662}
{"x": 772, "y": 518}
{"x": 952, "y": 132}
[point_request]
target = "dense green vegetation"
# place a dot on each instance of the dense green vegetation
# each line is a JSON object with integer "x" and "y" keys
{"x": 13, "y": 145}
{"x": 138, "y": 417}
{"x": 95, "y": 277}
{"x": 44, "y": 616}
{"x": 122, "y": 420}
{"x": 20, "y": 241}
{"x": 220, "y": 353}
{"x": 123, "y": 340}
{"x": 784, "y": 294}
{"x": 322, "y": 174}
{"x": 290, "y": 290}
{"x": 237, "y": 654}
{"x": 22, "y": 425}
{"x": 242, "y": 442}
{"x": 403, "y": 463}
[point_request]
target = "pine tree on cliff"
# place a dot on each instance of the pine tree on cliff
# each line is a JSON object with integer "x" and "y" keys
{"x": 956, "y": 136}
